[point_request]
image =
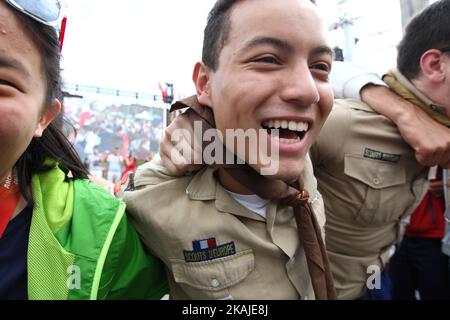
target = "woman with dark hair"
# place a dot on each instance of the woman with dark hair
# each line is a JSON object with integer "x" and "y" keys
{"x": 61, "y": 236}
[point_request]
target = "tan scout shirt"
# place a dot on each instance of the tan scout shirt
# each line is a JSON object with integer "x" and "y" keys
{"x": 213, "y": 247}
{"x": 369, "y": 179}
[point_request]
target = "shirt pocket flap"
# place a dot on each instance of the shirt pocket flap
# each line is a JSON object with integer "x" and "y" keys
{"x": 375, "y": 174}
{"x": 214, "y": 275}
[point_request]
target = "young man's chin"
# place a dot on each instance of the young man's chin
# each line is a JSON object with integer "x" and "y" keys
{"x": 282, "y": 170}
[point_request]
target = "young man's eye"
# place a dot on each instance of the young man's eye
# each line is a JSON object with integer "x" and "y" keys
{"x": 322, "y": 67}
{"x": 267, "y": 59}
{"x": 7, "y": 83}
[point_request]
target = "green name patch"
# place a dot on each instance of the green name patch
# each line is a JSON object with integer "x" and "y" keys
{"x": 381, "y": 156}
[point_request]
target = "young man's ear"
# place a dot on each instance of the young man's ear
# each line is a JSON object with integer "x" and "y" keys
{"x": 200, "y": 77}
{"x": 433, "y": 66}
{"x": 48, "y": 115}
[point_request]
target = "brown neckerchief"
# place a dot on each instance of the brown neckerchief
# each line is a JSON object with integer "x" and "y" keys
{"x": 292, "y": 195}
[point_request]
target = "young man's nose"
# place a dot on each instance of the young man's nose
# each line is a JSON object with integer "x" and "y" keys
{"x": 300, "y": 87}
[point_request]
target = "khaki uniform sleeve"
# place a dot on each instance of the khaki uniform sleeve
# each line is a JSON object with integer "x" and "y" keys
{"x": 152, "y": 173}
{"x": 332, "y": 136}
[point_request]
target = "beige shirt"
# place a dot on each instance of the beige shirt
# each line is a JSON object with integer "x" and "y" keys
{"x": 212, "y": 246}
{"x": 370, "y": 180}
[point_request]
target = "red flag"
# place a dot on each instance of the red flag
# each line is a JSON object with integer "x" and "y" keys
{"x": 62, "y": 33}
{"x": 163, "y": 91}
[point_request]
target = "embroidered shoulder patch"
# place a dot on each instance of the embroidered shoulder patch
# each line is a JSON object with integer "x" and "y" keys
{"x": 382, "y": 156}
{"x": 206, "y": 250}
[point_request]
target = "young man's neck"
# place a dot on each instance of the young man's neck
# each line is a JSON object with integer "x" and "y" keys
{"x": 436, "y": 93}
{"x": 229, "y": 183}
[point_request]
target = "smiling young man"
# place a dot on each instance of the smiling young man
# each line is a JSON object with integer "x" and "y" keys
{"x": 367, "y": 173}
{"x": 265, "y": 66}
{"x": 269, "y": 75}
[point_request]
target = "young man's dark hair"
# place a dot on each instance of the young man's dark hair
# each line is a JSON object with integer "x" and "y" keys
{"x": 217, "y": 31}
{"x": 428, "y": 30}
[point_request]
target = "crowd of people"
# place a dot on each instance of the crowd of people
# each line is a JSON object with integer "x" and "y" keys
{"x": 348, "y": 173}
{"x": 105, "y": 137}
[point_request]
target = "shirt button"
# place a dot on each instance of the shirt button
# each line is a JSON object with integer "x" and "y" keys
{"x": 376, "y": 181}
{"x": 215, "y": 283}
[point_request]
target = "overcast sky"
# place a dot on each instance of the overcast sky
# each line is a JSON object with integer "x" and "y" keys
{"x": 133, "y": 44}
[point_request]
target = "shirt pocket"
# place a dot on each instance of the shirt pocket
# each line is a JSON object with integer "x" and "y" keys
{"x": 378, "y": 189}
{"x": 213, "y": 279}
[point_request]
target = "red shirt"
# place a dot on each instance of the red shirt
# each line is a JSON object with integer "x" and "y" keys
{"x": 428, "y": 221}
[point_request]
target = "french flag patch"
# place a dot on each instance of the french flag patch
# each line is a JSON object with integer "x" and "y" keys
{"x": 208, "y": 249}
{"x": 204, "y": 244}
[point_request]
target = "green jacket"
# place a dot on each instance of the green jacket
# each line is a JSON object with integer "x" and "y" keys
{"x": 81, "y": 245}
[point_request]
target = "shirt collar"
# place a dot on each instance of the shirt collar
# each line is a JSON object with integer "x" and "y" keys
{"x": 205, "y": 187}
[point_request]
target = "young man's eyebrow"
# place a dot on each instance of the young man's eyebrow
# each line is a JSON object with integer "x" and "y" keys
{"x": 258, "y": 41}
{"x": 14, "y": 64}
{"x": 283, "y": 45}
{"x": 323, "y": 50}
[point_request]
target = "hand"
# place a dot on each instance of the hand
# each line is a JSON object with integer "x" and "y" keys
{"x": 180, "y": 150}
{"x": 429, "y": 139}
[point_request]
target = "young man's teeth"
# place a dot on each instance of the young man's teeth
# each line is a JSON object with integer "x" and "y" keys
{"x": 286, "y": 141}
{"x": 277, "y": 124}
{"x": 302, "y": 126}
{"x": 292, "y": 126}
{"x": 289, "y": 125}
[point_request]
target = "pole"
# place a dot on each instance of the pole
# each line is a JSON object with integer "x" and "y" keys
{"x": 349, "y": 51}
